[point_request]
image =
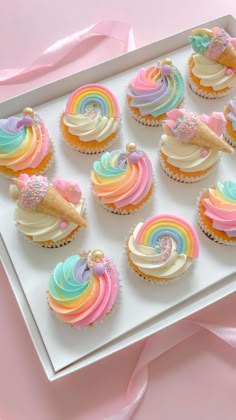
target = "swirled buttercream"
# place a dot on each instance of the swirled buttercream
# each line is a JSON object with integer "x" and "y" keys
{"x": 156, "y": 90}
{"x": 212, "y": 74}
{"x": 122, "y": 179}
{"x": 163, "y": 247}
{"x": 24, "y": 142}
{"x": 83, "y": 289}
{"x": 220, "y": 207}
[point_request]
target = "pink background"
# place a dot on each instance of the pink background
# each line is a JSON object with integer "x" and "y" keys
{"x": 198, "y": 376}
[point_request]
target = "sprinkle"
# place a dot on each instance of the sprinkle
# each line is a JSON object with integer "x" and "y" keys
{"x": 34, "y": 191}
{"x": 186, "y": 127}
{"x": 218, "y": 43}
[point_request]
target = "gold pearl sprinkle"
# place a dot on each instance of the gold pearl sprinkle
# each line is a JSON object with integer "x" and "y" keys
{"x": 130, "y": 147}
{"x": 166, "y": 61}
{"x": 97, "y": 255}
{"x": 28, "y": 111}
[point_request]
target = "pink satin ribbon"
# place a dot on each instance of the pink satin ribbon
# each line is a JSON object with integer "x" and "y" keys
{"x": 155, "y": 346}
{"x": 50, "y": 58}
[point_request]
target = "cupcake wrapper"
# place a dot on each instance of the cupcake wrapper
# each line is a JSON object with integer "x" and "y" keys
{"x": 229, "y": 140}
{"x": 211, "y": 235}
{"x": 202, "y": 93}
{"x": 185, "y": 179}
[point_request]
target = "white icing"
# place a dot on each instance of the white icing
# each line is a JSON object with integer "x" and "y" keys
{"x": 187, "y": 157}
{"x": 211, "y": 73}
{"x": 43, "y": 227}
{"x": 151, "y": 263}
{"x": 91, "y": 127}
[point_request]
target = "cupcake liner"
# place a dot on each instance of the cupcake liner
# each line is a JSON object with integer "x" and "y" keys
{"x": 229, "y": 139}
{"x": 210, "y": 234}
{"x": 202, "y": 93}
{"x": 148, "y": 121}
{"x": 185, "y": 179}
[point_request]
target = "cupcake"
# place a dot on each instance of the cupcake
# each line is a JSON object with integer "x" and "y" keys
{"x": 25, "y": 146}
{"x": 230, "y": 129}
{"x": 123, "y": 182}
{"x": 83, "y": 289}
{"x": 48, "y": 214}
{"x": 162, "y": 248}
{"x": 91, "y": 119}
{"x": 191, "y": 144}
{"x": 155, "y": 91}
{"x": 212, "y": 67}
{"x": 217, "y": 213}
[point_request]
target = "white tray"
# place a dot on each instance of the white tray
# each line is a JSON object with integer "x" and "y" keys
{"x": 143, "y": 309}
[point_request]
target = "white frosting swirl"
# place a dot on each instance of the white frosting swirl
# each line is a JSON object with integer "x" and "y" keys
{"x": 187, "y": 157}
{"x": 43, "y": 227}
{"x": 212, "y": 74}
{"x": 91, "y": 127}
{"x": 166, "y": 264}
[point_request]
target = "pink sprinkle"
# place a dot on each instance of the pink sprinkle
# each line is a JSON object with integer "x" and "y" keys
{"x": 63, "y": 225}
{"x": 229, "y": 71}
{"x": 204, "y": 153}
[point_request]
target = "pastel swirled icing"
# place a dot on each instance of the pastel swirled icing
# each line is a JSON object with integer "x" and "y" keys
{"x": 154, "y": 91}
{"x": 23, "y": 146}
{"x": 220, "y": 207}
{"x": 116, "y": 180}
{"x": 77, "y": 295}
{"x": 92, "y": 113}
{"x": 163, "y": 247}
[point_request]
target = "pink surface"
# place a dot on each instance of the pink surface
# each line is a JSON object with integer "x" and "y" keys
{"x": 198, "y": 374}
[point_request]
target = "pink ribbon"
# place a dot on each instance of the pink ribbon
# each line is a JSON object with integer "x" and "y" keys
{"x": 50, "y": 58}
{"x": 158, "y": 344}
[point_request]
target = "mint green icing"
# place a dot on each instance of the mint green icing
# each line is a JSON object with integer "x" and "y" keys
{"x": 200, "y": 42}
{"x": 110, "y": 165}
{"x": 63, "y": 285}
{"x": 9, "y": 141}
{"x": 228, "y": 190}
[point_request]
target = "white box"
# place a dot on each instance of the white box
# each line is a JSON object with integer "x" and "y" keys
{"x": 143, "y": 309}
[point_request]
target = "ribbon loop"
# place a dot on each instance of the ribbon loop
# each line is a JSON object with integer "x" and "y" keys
{"x": 54, "y": 54}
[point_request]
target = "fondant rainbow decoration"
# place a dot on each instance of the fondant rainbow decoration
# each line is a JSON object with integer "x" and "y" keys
{"x": 167, "y": 225}
{"x": 93, "y": 94}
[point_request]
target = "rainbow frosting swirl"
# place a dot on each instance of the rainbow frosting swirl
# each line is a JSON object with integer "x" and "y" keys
{"x": 156, "y": 90}
{"x": 24, "y": 142}
{"x": 163, "y": 247}
{"x": 220, "y": 207}
{"x": 92, "y": 113}
{"x": 122, "y": 179}
{"x": 83, "y": 289}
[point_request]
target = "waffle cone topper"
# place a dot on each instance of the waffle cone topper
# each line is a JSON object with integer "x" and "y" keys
{"x": 36, "y": 193}
{"x": 215, "y": 44}
{"x": 202, "y": 130}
